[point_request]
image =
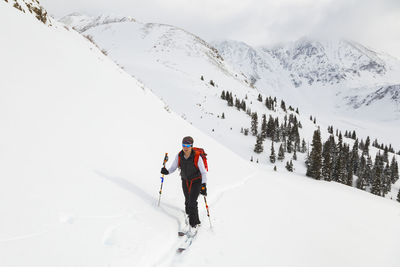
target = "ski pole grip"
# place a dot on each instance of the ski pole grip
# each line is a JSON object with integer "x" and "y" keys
{"x": 165, "y": 159}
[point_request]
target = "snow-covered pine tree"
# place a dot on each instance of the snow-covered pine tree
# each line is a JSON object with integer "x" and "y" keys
{"x": 360, "y": 182}
{"x": 355, "y": 158}
{"x": 259, "y": 98}
{"x": 254, "y": 124}
{"x": 354, "y": 136}
{"x": 386, "y": 154}
{"x": 270, "y": 127}
{"x": 258, "y": 148}
{"x": 315, "y": 159}
{"x": 366, "y": 146}
{"x": 281, "y": 153}
{"x": 327, "y": 157}
{"x": 283, "y": 105}
{"x": 294, "y": 155}
{"x": 264, "y": 127}
{"x": 387, "y": 183}
{"x": 272, "y": 156}
{"x": 289, "y": 146}
{"x": 377, "y": 174}
{"x": 237, "y": 103}
{"x": 230, "y": 99}
{"x": 349, "y": 167}
{"x": 222, "y": 95}
{"x": 243, "y": 105}
{"x": 289, "y": 166}
{"x": 368, "y": 171}
{"x": 303, "y": 146}
{"x": 398, "y": 196}
{"x": 394, "y": 170}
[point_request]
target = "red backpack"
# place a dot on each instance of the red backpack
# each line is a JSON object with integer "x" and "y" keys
{"x": 197, "y": 152}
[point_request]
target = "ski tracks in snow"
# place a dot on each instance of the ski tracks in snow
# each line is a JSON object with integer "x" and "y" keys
{"x": 171, "y": 257}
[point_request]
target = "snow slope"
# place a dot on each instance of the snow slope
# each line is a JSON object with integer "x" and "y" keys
{"x": 81, "y": 146}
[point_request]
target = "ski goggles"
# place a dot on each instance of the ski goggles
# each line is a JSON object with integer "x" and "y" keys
{"x": 187, "y": 145}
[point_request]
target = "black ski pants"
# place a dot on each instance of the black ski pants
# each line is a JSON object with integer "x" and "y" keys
{"x": 191, "y": 190}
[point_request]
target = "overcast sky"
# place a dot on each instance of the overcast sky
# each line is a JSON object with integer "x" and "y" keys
{"x": 374, "y": 23}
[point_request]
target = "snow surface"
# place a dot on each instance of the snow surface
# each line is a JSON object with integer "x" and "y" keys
{"x": 81, "y": 147}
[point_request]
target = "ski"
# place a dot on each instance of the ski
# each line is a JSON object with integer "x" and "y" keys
{"x": 188, "y": 241}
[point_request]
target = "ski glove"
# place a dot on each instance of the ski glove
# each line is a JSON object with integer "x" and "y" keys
{"x": 164, "y": 171}
{"x": 203, "y": 190}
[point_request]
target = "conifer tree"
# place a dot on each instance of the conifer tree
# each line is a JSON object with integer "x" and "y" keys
{"x": 398, "y": 196}
{"x": 387, "y": 183}
{"x": 264, "y": 127}
{"x": 366, "y": 146}
{"x": 237, "y": 103}
{"x": 289, "y": 166}
{"x": 360, "y": 181}
{"x": 386, "y": 154}
{"x": 254, "y": 124}
{"x": 327, "y": 158}
{"x": 243, "y": 105}
{"x": 283, "y": 105}
{"x": 303, "y": 146}
{"x": 281, "y": 153}
{"x": 272, "y": 157}
{"x": 377, "y": 173}
{"x": 223, "y": 116}
{"x": 368, "y": 171}
{"x": 355, "y": 159}
{"x": 270, "y": 127}
{"x": 222, "y": 95}
{"x": 315, "y": 159}
{"x": 258, "y": 148}
{"x": 354, "y": 136}
{"x": 289, "y": 146}
{"x": 259, "y": 98}
{"x": 394, "y": 170}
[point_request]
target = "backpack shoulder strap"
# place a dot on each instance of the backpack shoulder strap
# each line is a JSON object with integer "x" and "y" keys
{"x": 196, "y": 157}
{"x": 179, "y": 158}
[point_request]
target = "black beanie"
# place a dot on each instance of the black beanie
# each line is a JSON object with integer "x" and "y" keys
{"x": 187, "y": 140}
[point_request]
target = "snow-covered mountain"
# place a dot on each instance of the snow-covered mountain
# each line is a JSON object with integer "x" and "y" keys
{"x": 82, "y": 142}
{"x": 82, "y": 22}
{"x": 309, "y": 66}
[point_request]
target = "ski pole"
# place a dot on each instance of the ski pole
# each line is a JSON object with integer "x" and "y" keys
{"x": 208, "y": 212}
{"x": 162, "y": 178}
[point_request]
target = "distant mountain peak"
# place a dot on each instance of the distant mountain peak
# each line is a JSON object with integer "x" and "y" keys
{"x": 81, "y": 22}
